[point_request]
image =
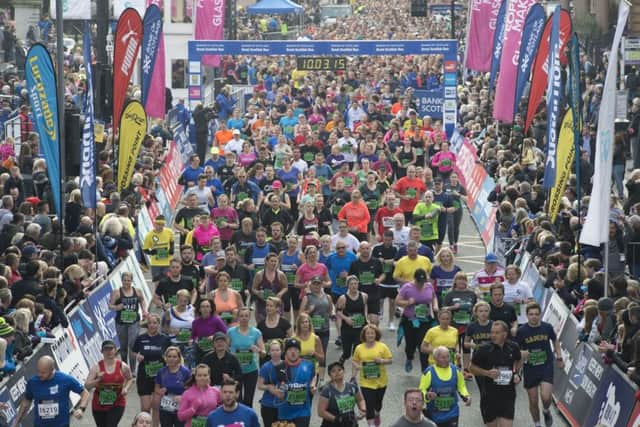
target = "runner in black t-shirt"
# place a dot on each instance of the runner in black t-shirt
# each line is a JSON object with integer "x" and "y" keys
{"x": 369, "y": 271}
{"x": 191, "y": 269}
{"x": 387, "y": 253}
{"x": 533, "y": 338}
{"x": 165, "y": 294}
{"x": 501, "y": 310}
{"x": 499, "y": 361}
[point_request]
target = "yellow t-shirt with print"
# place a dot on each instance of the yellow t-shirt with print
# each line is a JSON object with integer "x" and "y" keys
{"x": 437, "y": 337}
{"x": 372, "y": 375}
{"x": 162, "y": 243}
{"x": 406, "y": 267}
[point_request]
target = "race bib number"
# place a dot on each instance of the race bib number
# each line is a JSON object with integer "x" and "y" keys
{"x": 372, "y": 204}
{"x": 291, "y": 277}
{"x": 348, "y": 181}
{"x": 236, "y": 285}
{"x": 245, "y": 357}
{"x": 168, "y": 404}
{"x": 107, "y": 397}
{"x": 205, "y": 344}
{"x": 341, "y": 282}
{"x": 426, "y": 229}
{"x": 151, "y": 368}
{"x": 268, "y": 293}
{"x": 317, "y": 322}
{"x": 462, "y": 317}
{"x": 128, "y": 316}
{"x": 242, "y": 195}
{"x": 422, "y": 311}
{"x": 370, "y": 370}
{"x": 308, "y": 156}
{"x": 419, "y": 151}
{"x": 366, "y": 278}
{"x": 443, "y": 403}
{"x": 387, "y": 267}
{"x": 537, "y": 357}
{"x": 198, "y": 422}
{"x": 297, "y": 396}
{"x": 358, "y": 320}
{"x": 411, "y": 192}
{"x": 227, "y": 317}
{"x": 48, "y": 409}
{"x": 183, "y": 335}
{"x": 345, "y": 404}
{"x": 387, "y": 222}
{"x": 504, "y": 376}
{"x": 162, "y": 253}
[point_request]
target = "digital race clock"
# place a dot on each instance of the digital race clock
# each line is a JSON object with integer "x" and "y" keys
{"x": 321, "y": 63}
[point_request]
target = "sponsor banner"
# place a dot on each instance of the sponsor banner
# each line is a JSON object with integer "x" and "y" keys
{"x": 613, "y": 401}
{"x": 429, "y": 102}
{"x": 68, "y": 356}
{"x": 478, "y": 185}
{"x": 554, "y": 101}
{"x": 72, "y": 9}
{"x": 498, "y": 43}
{"x": 87, "y": 332}
{"x": 151, "y": 31}
{"x": 585, "y": 375}
{"x": 540, "y": 65}
{"x": 566, "y": 153}
{"x": 533, "y": 26}
{"x": 631, "y": 48}
{"x": 535, "y": 281}
{"x": 169, "y": 191}
{"x": 575, "y": 95}
{"x": 481, "y": 27}
{"x": 556, "y": 312}
{"x": 596, "y": 227}
{"x": 210, "y": 25}
{"x": 14, "y": 386}
{"x": 156, "y": 109}
{"x": 126, "y": 47}
{"x": 568, "y": 339}
{"x": 133, "y": 128}
{"x": 506, "y": 86}
{"x": 41, "y": 84}
{"x": 88, "y": 148}
{"x": 105, "y": 318}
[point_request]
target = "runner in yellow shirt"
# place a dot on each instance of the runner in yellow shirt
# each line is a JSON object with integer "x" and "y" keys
{"x": 158, "y": 244}
{"x": 443, "y": 335}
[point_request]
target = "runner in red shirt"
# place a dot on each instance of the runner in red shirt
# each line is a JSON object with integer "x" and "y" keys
{"x": 409, "y": 189}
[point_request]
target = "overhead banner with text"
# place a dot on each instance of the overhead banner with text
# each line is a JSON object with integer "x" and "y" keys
{"x": 133, "y": 128}
{"x": 541, "y": 66}
{"x": 41, "y": 84}
{"x": 506, "y": 86}
{"x": 125, "y": 52}
{"x": 533, "y": 26}
{"x": 498, "y": 43}
{"x": 210, "y": 26}
{"x": 429, "y": 102}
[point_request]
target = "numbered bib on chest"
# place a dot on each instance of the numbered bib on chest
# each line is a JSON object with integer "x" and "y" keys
{"x": 461, "y": 317}
{"x": 198, "y": 422}
{"x": 537, "y": 357}
{"x": 444, "y": 403}
{"x": 162, "y": 253}
{"x": 183, "y": 335}
{"x": 205, "y": 344}
{"x": 152, "y": 368}
{"x": 345, "y": 404}
{"x": 107, "y": 397}
{"x": 245, "y": 357}
{"x": 426, "y": 228}
{"x": 297, "y": 396}
{"x": 422, "y": 311}
{"x": 358, "y": 320}
{"x": 366, "y": 278}
{"x": 168, "y": 404}
{"x": 227, "y": 317}
{"x": 48, "y": 409}
{"x": 370, "y": 370}
{"x": 291, "y": 277}
{"x": 505, "y": 375}
{"x": 317, "y": 321}
{"x": 128, "y": 316}
{"x": 236, "y": 285}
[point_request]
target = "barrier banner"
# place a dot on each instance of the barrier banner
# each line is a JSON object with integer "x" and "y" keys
{"x": 634, "y": 420}
{"x": 584, "y": 377}
{"x": 533, "y": 26}
{"x": 41, "y": 84}
{"x": 481, "y": 27}
{"x": 556, "y": 312}
{"x": 540, "y": 65}
{"x": 535, "y": 281}
{"x": 87, "y": 333}
{"x": 506, "y": 86}
{"x": 554, "y": 101}
{"x": 613, "y": 401}
{"x": 12, "y": 390}
{"x": 68, "y": 356}
{"x": 88, "y": 148}
{"x": 429, "y": 102}
{"x": 151, "y": 32}
{"x": 133, "y": 129}
{"x": 105, "y": 318}
{"x": 568, "y": 339}
{"x": 596, "y": 227}
{"x": 565, "y": 157}
{"x": 125, "y": 52}
{"x": 210, "y": 26}
{"x": 170, "y": 191}
{"x": 498, "y": 42}
{"x": 478, "y": 185}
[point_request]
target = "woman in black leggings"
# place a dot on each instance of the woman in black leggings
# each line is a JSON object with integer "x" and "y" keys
{"x": 352, "y": 309}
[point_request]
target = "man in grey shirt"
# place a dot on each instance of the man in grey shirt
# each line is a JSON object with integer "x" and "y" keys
{"x": 413, "y": 406}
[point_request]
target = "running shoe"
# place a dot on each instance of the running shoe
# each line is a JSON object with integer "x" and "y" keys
{"x": 408, "y": 366}
{"x": 392, "y": 326}
{"x": 548, "y": 419}
{"x": 339, "y": 342}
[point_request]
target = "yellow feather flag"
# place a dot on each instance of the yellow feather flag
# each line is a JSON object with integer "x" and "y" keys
{"x": 565, "y": 156}
{"x": 133, "y": 128}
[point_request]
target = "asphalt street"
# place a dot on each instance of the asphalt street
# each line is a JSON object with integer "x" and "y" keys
{"x": 470, "y": 258}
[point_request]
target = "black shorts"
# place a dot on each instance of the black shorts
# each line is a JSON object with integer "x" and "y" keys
{"x": 144, "y": 384}
{"x": 497, "y": 405}
{"x": 373, "y": 305}
{"x": 386, "y": 292}
{"x": 533, "y": 376}
{"x": 292, "y": 299}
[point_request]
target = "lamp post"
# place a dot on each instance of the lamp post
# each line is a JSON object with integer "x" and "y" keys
{"x": 453, "y": 19}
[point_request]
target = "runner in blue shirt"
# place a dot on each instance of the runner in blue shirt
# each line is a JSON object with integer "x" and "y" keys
{"x": 298, "y": 378}
{"x": 533, "y": 338}
{"x": 49, "y": 391}
{"x": 232, "y": 413}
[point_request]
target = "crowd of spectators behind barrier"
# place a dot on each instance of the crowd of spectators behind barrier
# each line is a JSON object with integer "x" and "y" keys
{"x": 292, "y": 113}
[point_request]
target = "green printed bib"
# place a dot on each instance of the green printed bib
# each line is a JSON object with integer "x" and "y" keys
{"x": 345, "y": 404}
{"x": 297, "y": 396}
{"x": 245, "y": 357}
{"x": 444, "y": 403}
{"x": 291, "y": 277}
{"x": 358, "y": 320}
{"x": 372, "y": 204}
{"x": 341, "y": 282}
{"x": 462, "y": 317}
{"x": 318, "y": 322}
{"x": 237, "y": 285}
{"x": 205, "y": 344}
{"x": 242, "y": 195}
{"x": 198, "y": 422}
{"x": 422, "y": 311}
{"x": 411, "y": 192}
{"x": 537, "y": 357}
{"x": 107, "y": 397}
{"x": 370, "y": 370}
{"x": 366, "y": 278}
{"x": 267, "y": 293}
{"x": 173, "y": 300}
{"x": 426, "y": 230}
{"x": 227, "y": 317}
{"x": 419, "y": 151}
{"x": 128, "y": 316}
{"x": 151, "y": 368}
{"x": 162, "y": 253}
{"x": 348, "y": 181}
{"x": 183, "y": 335}
{"x": 387, "y": 267}
{"x": 308, "y": 156}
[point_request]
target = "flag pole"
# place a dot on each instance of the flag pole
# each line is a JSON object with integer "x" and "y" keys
{"x": 61, "y": 130}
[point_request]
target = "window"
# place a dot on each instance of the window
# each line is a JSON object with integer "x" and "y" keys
{"x": 182, "y": 11}
{"x": 178, "y": 74}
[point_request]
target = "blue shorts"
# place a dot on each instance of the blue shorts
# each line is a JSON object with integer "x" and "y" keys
{"x": 535, "y": 375}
